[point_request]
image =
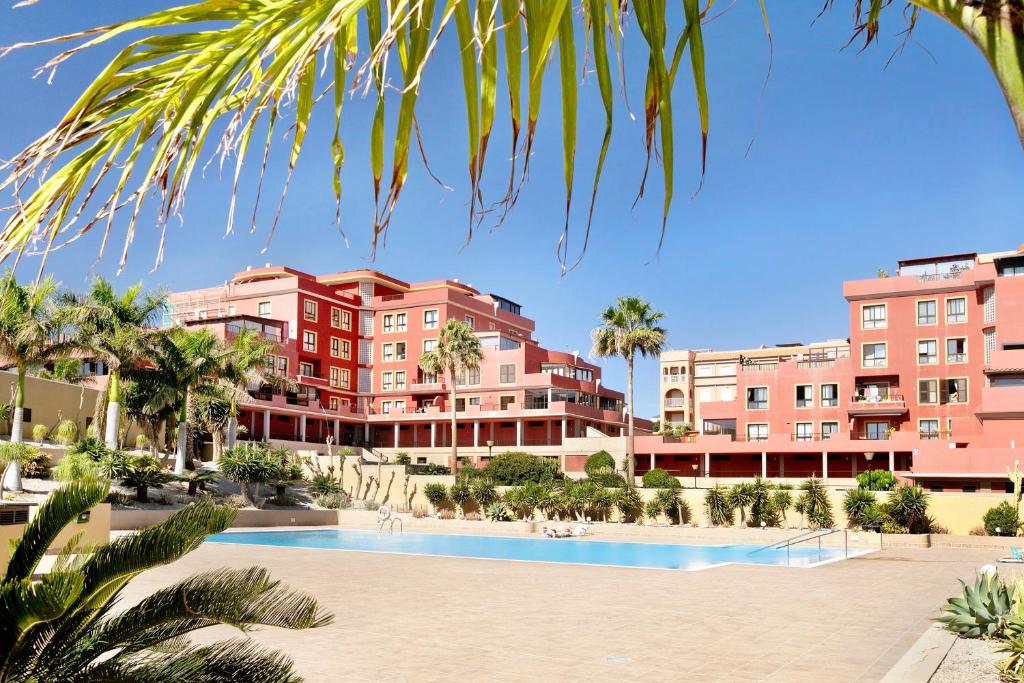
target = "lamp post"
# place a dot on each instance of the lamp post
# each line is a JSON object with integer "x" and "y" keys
{"x": 869, "y": 457}
{"x": 694, "y": 467}
{"x": 490, "y": 445}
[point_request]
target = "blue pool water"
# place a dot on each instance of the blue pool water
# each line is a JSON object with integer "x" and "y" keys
{"x": 647, "y": 555}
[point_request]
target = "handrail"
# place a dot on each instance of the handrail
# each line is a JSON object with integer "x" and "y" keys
{"x": 814, "y": 534}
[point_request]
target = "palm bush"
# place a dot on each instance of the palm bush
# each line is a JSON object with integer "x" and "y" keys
{"x": 66, "y": 432}
{"x": 740, "y": 497}
{"x": 141, "y": 442}
{"x": 437, "y": 494}
{"x": 628, "y": 503}
{"x": 115, "y": 465}
{"x": 460, "y": 493}
{"x": 856, "y": 502}
{"x": 762, "y": 506}
{"x": 782, "y": 500}
{"x": 483, "y": 492}
{"x": 653, "y": 509}
{"x": 248, "y": 465}
{"x": 74, "y": 467}
{"x": 816, "y": 504}
{"x": 90, "y": 446}
{"x": 719, "y": 504}
{"x": 402, "y": 458}
{"x": 1002, "y": 520}
{"x": 144, "y": 473}
{"x": 981, "y": 610}
{"x": 908, "y": 506}
{"x": 660, "y": 479}
{"x": 63, "y": 626}
{"x": 289, "y": 470}
{"x": 199, "y": 479}
{"x": 674, "y": 505}
{"x": 40, "y": 432}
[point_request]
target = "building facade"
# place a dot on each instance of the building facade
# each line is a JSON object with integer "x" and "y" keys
{"x": 351, "y": 343}
{"x": 930, "y": 385}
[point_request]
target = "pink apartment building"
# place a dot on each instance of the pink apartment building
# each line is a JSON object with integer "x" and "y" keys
{"x": 930, "y": 386}
{"x": 351, "y": 343}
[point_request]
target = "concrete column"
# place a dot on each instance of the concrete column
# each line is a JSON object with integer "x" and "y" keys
{"x": 652, "y": 461}
{"x": 853, "y": 465}
{"x": 433, "y": 435}
{"x": 476, "y": 434}
{"x": 492, "y": 431}
{"x": 549, "y": 397}
{"x": 707, "y": 464}
{"x": 519, "y": 433}
{"x": 337, "y": 432}
{"x": 415, "y": 435}
{"x": 396, "y": 435}
{"x": 302, "y": 428}
{"x": 366, "y": 432}
{"x": 824, "y": 465}
{"x": 266, "y": 425}
{"x": 892, "y": 461}
{"x": 764, "y": 464}
{"x": 782, "y": 466}
{"x": 547, "y": 425}
{"x": 565, "y": 429}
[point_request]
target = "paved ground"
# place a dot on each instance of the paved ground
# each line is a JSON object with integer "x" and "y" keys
{"x": 407, "y": 618}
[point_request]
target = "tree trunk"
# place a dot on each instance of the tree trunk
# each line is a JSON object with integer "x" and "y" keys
{"x": 193, "y": 486}
{"x": 454, "y": 457}
{"x": 280, "y": 490}
{"x": 232, "y": 432}
{"x": 181, "y": 452}
{"x": 218, "y": 444}
{"x": 630, "y": 444}
{"x": 113, "y": 409}
{"x": 142, "y": 494}
{"x": 12, "y": 474}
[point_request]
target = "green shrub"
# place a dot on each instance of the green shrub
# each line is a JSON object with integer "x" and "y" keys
{"x": 629, "y": 504}
{"x": 877, "y": 480}
{"x": 814, "y": 502}
{"x": 496, "y": 512}
{"x": 856, "y": 502}
{"x": 981, "y": 611}
{"x": 333, "y": 501}
{"x": 608, "y": 479}
{"x": 1003, "y": 517}
{"x": 740, "y": 497}
{"x": 517, "y": 469}
{"x": 145, "y": 472}
{"x": 115, "y": 465}
{"x": 75, "y": 466}
{"x": 601, "y": 462}
{"x": 461, "y": 494}
{"x": 249, "y": 464}
{"x": 141, "y": 441}
{"x": 653, "y": 509}
{"x": 430, "y": 468}
{"x": 660, "y": 479}
{"x": 908, "y": 506}
{"x": 402, "y": 458}
{"x": 674, "y": 505}
{"x": 120, "y": 499}
{"x": 90, "y": 446}
{"x": 39, "y": 432}
{"x": 323, "y": 484}
{"x": 762, "y": 505}
{"x": 782, "y": 500}
{"x": 436, "y": 493}
{"x": 36, "y": 464}
{"x": 289, "y": 470}
{"x": 1012, "y": 668}
{"x": 718, "y": 503}
{"x": 66, "y": 432}
{"x": 483, "y": 492}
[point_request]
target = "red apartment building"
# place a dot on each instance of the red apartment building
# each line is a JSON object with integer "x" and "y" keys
{"x": 351, "y": 343}
{"x": 930, "y": 386}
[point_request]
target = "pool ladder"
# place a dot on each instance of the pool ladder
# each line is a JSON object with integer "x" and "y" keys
{"x": 390, "y": 524}
{"x": 815, "y": 534}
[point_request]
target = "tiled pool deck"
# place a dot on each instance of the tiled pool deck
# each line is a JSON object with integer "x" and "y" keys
{"x": 414, "y": 618}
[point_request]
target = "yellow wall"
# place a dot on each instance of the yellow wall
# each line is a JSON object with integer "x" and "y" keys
{"x": 94, "y": 532}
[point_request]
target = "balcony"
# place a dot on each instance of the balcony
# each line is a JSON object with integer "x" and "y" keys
{"x": 674, "y": 379}
{"x": 675, "y": 402}
{"x": 759, "y": 367}
{"x": 881, "y": 404}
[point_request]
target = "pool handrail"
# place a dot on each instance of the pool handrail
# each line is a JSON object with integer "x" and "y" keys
{"x": 813, "y": 534}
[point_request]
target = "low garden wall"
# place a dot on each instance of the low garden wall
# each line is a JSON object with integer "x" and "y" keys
{"x": 124, "y": 520}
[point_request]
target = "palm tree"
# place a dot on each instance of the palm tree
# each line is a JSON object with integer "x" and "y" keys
{"x": 629, "y": 328}
{"x": 63, "y": 627}
{"x": 118, "y": 330}
{"x": 29, "y": 336}
{"x": 191, "y": 91}
{"x": 199, "y": 355}
{"x": 456, "y": 351}
{"x": 248, "y": 363}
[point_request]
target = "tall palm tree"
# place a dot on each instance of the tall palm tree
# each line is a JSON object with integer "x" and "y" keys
{"x": 63, "y": 627}
{"x": 200, "y": 354}
{"x": 180, "y": 92}
{"x": 629, "y": 328}
{"x": 29, "y": 336}
{"x": 457, "y": 350}
{"x": 248, "y": 362}
{"x": 117, "y": 329}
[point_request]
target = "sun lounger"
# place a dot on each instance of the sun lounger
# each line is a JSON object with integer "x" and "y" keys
{"x": 1016, "y": 557}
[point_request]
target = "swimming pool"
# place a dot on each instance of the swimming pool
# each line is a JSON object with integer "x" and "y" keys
{"x": 565, "y": 551}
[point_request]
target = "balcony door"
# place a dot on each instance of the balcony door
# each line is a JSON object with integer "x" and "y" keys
{"x": 878, "y": 431}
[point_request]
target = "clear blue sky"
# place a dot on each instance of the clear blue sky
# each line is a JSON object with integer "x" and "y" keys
{"x": 854, "y": 166}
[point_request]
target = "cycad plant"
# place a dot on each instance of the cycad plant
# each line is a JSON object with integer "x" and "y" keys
{"x": 629, "y": 329}
{"x": 457, "y": 349}
{"x": 718, "y": 503}
{"x": 63, "y": 627}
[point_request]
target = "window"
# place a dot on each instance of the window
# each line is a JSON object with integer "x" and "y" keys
{"x": 386, "y": 381}
{"x": 926, "y": 314}
{"x": 804, "y": 431}
{"x": 309, "y": 310}
{"x": 757, "y": 398}
{"x": 927, "y": 391}
{"x": 430, "y": 319}
{"x": 335, "y": 347}
{"x": 953, "y": 390}
{"x": 927, "y": 352}
{"x": 805, "y": 396}
{"x": 388, "y": 353}
{"x": 460, "y": 405}
{"x": 335, "y": 316}
{"x": 309, "y": 341}
{"x": 471, "y": 321}
{"x": 873, "y": 356}
{"x": 399, "y": 406}
{"x": 428, "y": 377}
{"x": 956, "y": 350}
{"x": 876, "y": 431}
{"x": 263, "y": 309}
{"x": 26, "y": 415}
{"x": 389, "y": 323}
{"x": 872, "y": 317}
{"x": 282, "y": 366}
{"x": 346, "y": 378}
{"x": 829, "y": 395}
{"x": 306, "y": 369}
{"x": 399, "y": 350}
{"x": 956, "y": 310}
{"x": 507, "y": 374}
{"x": 385, "y": 407}
{"x": 346, "y": 320}
{"x": 333, "y": 403}
{"x": 828, "y": 429}
{"x": 335, "y": 377}
{"x": 506, "y": 401}
{"x": 928, "y": 429}
{"x": 400, "y": 379}
{"x": 727, "y": 393}
{"x": 705, "y": 394}
{"x": 429, "y": 345}
{"x": 473, "y": 376}
{"x": 401, "y": 324}
{"x": 474, "y": 401}
{"x": 757, "y": 432}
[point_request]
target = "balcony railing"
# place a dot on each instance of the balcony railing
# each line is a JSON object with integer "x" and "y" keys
{"x": 812, "y": 436}
{"x": 675, "y": 402}
{"x": 882, "y": 397}
{"x": 872, "y": 436}
{"x": 759, "y": 367}
{"x": 674, "y": 379}
{"x": 271, "y": 334}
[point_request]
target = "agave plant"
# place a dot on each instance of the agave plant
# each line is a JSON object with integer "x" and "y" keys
{"x": 62, "y": 626}
{"x": 982, "y": 609}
